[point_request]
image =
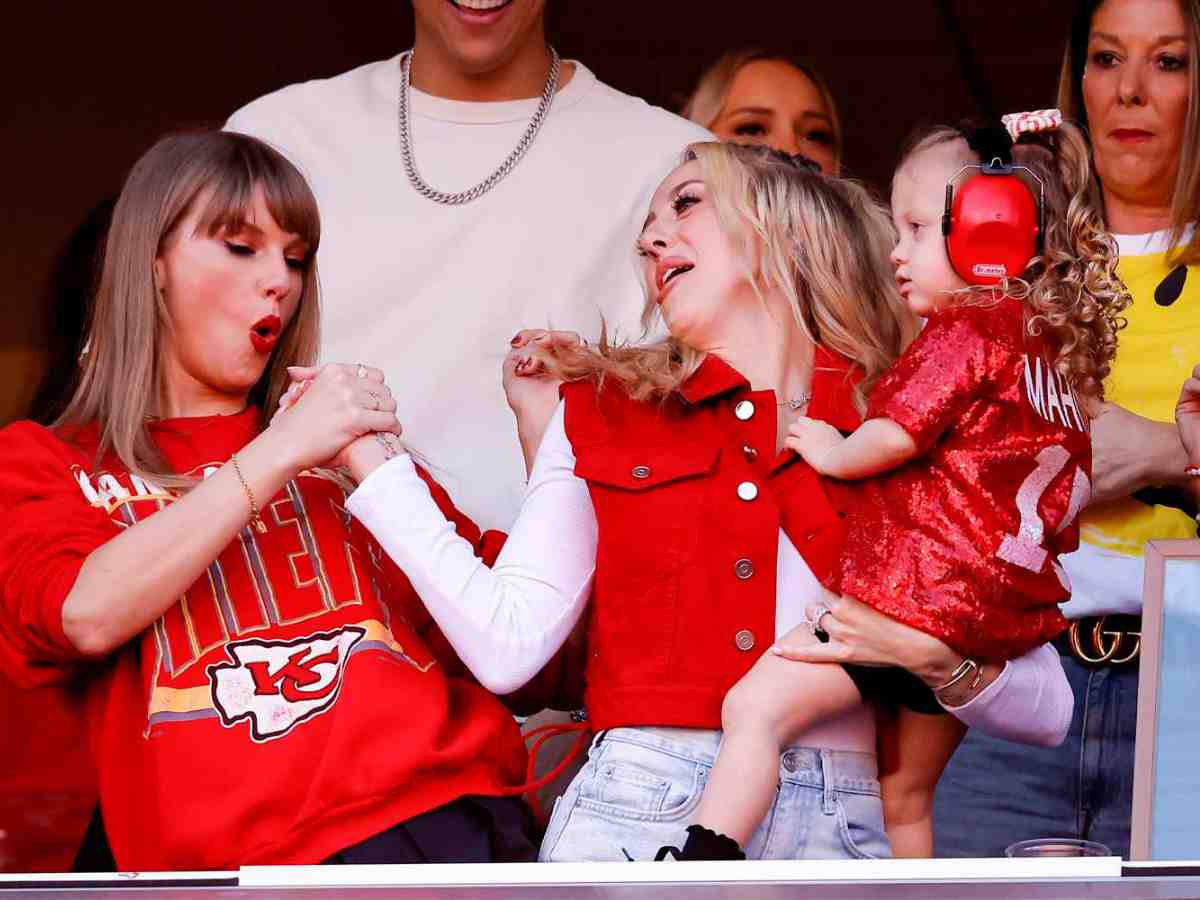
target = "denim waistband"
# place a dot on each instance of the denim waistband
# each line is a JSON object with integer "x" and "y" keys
{"x": 809, "y": 765}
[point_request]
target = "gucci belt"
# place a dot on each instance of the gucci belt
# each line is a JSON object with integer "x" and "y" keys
{"x": 1103, "y": 640}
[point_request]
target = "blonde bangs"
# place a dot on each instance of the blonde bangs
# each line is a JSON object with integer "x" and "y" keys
{"x": 228, "y": 194}
{"x": 230, "y": 197}
{"x": 120, "y": 384}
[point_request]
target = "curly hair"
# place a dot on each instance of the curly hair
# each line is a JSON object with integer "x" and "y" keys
{"x": 1071, "y": 288}
{"x": 823, "y": 241}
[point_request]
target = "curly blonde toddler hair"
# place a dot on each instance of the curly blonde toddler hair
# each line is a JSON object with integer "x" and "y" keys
{"x": 1071, "y": 288}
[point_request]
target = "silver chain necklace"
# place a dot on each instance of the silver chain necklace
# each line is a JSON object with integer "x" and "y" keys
{"x": 406, "y": 143}
{"x": 796, "y": 403}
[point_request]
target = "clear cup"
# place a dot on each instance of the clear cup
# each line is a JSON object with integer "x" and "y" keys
{"x": 1055, "y": 847}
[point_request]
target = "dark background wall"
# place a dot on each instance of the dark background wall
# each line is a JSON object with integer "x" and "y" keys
{"x": 87, "y": 87}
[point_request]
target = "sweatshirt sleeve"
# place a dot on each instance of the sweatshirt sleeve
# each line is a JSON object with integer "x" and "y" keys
{"x": 1030, "y": 702}
{"x": 49, "y": 530}
{"x": 505, "y": 621}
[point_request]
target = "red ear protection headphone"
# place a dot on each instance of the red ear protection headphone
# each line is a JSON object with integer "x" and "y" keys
{"x": 992, "y": 224}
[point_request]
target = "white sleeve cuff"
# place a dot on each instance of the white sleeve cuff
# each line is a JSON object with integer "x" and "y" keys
{"x": 505, "y": 622}
{"x": 1030, "y": 701}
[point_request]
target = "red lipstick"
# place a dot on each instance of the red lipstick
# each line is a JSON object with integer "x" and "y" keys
{"x": 264, "y": 334}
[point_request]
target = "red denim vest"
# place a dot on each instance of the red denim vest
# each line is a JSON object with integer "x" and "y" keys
{"x": 690, "y": 497}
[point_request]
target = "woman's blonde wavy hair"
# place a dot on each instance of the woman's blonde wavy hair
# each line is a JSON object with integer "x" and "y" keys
{"x": 822, "y": 241}
{"x": 1071, "y": 288}
{"x": 120, "y": 383}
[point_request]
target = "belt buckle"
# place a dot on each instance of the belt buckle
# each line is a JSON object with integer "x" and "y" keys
{"x": 1104, "y": 642}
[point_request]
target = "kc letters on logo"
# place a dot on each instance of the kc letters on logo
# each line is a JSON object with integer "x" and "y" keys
{"x": 276, "y": 685}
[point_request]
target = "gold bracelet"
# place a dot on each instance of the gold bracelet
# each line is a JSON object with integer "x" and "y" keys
{"x": 966, "y": 666}
{"x": 255, "y": 519}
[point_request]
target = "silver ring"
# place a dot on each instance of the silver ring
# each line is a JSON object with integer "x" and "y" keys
{"x": 375, "y": 396}
{"x": 815, "y": 622}
{"x": 361, "y": 371}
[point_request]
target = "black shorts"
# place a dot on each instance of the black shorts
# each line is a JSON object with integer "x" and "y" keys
{"x": 469, "y": 829}
{"x": 895, "y": 687}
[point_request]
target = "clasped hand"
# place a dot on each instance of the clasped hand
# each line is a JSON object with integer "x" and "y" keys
{"x": 330, "y": 415}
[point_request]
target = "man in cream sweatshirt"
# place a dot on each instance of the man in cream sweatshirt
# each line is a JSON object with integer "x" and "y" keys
{"x": 430, "y": 291}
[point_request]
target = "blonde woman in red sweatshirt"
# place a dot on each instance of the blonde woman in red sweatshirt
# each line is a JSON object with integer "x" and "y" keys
{"x": 263, "y": 684}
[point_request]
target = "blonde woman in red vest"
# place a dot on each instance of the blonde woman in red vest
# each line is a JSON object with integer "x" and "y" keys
{"x": 659, "y": 500}
{"x": 263, "y": 685}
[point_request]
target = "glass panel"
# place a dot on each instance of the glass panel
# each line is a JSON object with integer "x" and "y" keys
{"x": 1175, "y": 831}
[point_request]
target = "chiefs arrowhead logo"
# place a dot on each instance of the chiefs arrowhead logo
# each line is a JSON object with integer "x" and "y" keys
{"x": 276, "y": 685}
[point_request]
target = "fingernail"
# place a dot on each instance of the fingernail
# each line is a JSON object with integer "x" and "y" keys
{"x": 516, "y": 340}
{"x": 776, "y": 651}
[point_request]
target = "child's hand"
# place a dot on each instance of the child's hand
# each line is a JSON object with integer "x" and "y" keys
{"x": 814, "y": 440}
{"x": 1187, "y": 417}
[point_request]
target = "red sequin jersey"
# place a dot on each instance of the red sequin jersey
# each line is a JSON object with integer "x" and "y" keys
{"x": 963, "y": 541}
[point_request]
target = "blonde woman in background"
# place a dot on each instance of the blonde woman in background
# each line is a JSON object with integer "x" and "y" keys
{"x": 754, "y": 96}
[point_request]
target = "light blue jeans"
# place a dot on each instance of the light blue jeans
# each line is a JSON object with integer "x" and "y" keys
{"x": 640, "y": 788}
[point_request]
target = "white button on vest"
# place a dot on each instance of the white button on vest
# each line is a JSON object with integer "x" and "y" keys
{"x": 744, "y": 410}
{"x": 747, "y": 490}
